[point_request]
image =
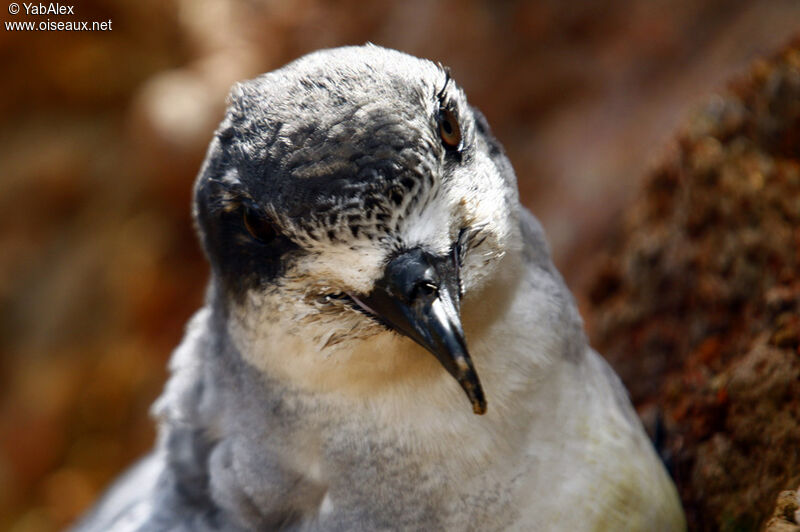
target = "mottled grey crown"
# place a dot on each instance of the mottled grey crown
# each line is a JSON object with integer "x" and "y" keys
{"x": 338, "y": 144}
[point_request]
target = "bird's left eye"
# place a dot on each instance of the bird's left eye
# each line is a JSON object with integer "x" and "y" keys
{"x": 449, "y": 130}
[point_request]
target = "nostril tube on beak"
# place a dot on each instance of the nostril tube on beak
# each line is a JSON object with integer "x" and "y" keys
{"x": 419, "y": 297}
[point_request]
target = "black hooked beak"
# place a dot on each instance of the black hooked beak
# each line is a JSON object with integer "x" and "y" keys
{"x": 419, "y": 296}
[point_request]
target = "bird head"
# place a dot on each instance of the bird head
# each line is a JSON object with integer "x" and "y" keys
{"x": 350, "y": 200}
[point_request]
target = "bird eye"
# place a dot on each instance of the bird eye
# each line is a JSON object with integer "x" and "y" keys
{"x": 258, "y": 225}
{"x": 449, "y": 130}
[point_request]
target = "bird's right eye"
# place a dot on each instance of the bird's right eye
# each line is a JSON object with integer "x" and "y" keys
{"x": 449, "y": 130}
{"x": 257, "y": 224}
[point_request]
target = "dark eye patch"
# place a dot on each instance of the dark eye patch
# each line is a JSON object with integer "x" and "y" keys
{"x": 246, "y": 248}
{"x": 258, "y": 225}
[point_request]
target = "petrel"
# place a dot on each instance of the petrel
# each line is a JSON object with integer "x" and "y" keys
{"x": 385, "y": 343}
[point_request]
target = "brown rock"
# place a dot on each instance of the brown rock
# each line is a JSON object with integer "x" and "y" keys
{"x": 698, "y": 306}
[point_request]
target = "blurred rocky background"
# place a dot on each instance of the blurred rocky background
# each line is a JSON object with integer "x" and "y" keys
{"x": 682, "y": 252}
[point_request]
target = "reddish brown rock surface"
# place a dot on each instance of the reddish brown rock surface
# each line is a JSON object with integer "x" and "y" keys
{"x": 698, "y": 304}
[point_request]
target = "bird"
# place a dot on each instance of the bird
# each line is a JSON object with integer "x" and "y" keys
{"x": 385, "y": 342}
